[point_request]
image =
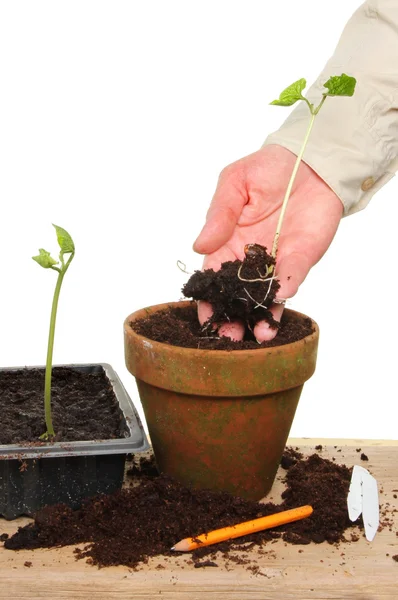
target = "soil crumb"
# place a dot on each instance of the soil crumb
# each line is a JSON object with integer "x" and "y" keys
{"x": 290, "y": 457}
{"x": 179, "y": 326}
{"x": 144, "y": 521}
{"x": 364, "y": 457}
{"x": 205, "y": 563}
{"x": 143, "y": 466}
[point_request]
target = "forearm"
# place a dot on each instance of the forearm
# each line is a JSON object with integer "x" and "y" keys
{"x": 354, "y": 145}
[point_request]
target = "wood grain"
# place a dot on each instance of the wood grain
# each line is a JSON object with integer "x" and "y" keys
{"x": 355, "y": 571}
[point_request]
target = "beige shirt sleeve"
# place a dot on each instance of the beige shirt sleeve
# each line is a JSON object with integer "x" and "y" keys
{"x": 354, "y": 141}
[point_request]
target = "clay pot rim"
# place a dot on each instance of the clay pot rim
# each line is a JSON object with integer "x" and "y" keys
{"x": 219, "y": 353}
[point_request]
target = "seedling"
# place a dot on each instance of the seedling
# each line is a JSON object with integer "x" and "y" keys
{"x": 46, "y": 261}
{"x": 339, "y": 85}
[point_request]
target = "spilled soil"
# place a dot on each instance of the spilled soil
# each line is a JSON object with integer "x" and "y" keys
{"x": 78, "y": 399}
{"x": 154, "y": 513}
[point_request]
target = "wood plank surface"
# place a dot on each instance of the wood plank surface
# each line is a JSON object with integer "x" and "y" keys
{"x": 355, "y": 571}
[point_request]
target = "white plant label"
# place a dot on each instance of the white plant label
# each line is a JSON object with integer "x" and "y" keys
{"x": 363, "y": 498}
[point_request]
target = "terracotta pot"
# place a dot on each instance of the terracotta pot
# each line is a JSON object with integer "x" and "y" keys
{"x": 219, "y": 419}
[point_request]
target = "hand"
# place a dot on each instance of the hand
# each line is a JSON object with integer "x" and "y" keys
{"x": 245, "y": 210}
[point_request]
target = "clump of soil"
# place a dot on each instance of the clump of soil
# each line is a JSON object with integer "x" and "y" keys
{"x": 136, "y": 523}
{"x": 143, "y": 466}
{"x": 84, "y": 406}
{"x": 210, "y": 563}
{"x": 290, "y": 457}
{"x": 240, "y": 289}
{"x": 179, "y": 326}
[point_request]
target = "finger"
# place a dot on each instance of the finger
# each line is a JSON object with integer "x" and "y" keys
{"x": 291, "y": 272}
{"x": 205, "y": 311}
{"x": 263, "y": 332}
{"x": 224, "y": 212}
{"x": 235, "y": 330}
{"x": 212, "y": 261}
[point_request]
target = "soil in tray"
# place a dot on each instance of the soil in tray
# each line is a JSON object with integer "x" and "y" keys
{"x": 148, "y": 518}
{"x": 84, "y": 406}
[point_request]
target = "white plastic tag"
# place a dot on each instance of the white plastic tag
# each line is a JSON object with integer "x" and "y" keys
{"x": 363, "y": 498}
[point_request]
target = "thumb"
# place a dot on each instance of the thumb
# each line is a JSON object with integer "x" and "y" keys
{"x": 291, "y": 272}
{"x": 224, "y": 212}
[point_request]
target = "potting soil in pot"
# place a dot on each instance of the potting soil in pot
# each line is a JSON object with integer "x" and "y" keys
{"x": 84, "y": 406}
{"x": 148, "y": 518}
{"x": 240, "y": 289}
{"x": 180, "y": 327}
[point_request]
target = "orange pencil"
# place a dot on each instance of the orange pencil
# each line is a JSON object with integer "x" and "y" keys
{"x": 228, "y": 533}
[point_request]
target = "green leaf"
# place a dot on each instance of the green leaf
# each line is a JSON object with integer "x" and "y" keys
{"x": 291, "y": 94}
{"x": 44, "y": 259}
{"x": 64, "y": 240}
{"x": 340, "y": 85}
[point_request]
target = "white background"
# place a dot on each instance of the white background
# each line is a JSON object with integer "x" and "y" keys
{"x": 116, "y": 118}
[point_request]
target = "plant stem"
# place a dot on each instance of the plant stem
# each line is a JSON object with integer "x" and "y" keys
{"x": 291, "y": 182}
{"x": 47, "y": 386}
{"x": 47, "y": 383}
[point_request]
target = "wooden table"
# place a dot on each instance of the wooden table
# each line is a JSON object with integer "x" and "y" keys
{"x": 360, "y": 571}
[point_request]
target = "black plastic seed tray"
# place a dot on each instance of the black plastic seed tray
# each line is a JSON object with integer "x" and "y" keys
{"x": 35, "y": 476}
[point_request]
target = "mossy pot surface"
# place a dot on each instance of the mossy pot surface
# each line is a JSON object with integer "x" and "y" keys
{"x": 219, "y": 419}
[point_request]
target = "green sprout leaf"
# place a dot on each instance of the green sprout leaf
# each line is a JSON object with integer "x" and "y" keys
{"x": 340, "y": 85}
{"x": 291, "y": 94}
{"x": 44, "y": 259}
{"x": 64, "y": 240}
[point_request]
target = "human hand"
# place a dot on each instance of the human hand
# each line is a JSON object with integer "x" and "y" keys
{"x": 245, "y": 210}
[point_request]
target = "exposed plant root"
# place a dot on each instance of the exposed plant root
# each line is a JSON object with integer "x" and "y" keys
{"x": 183, "y": 267}
{"x": 261, "y": 278}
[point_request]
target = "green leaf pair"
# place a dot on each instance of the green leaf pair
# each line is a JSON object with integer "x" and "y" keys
{"x": 338, "y": 85}
{"x": 45, "y": 260}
